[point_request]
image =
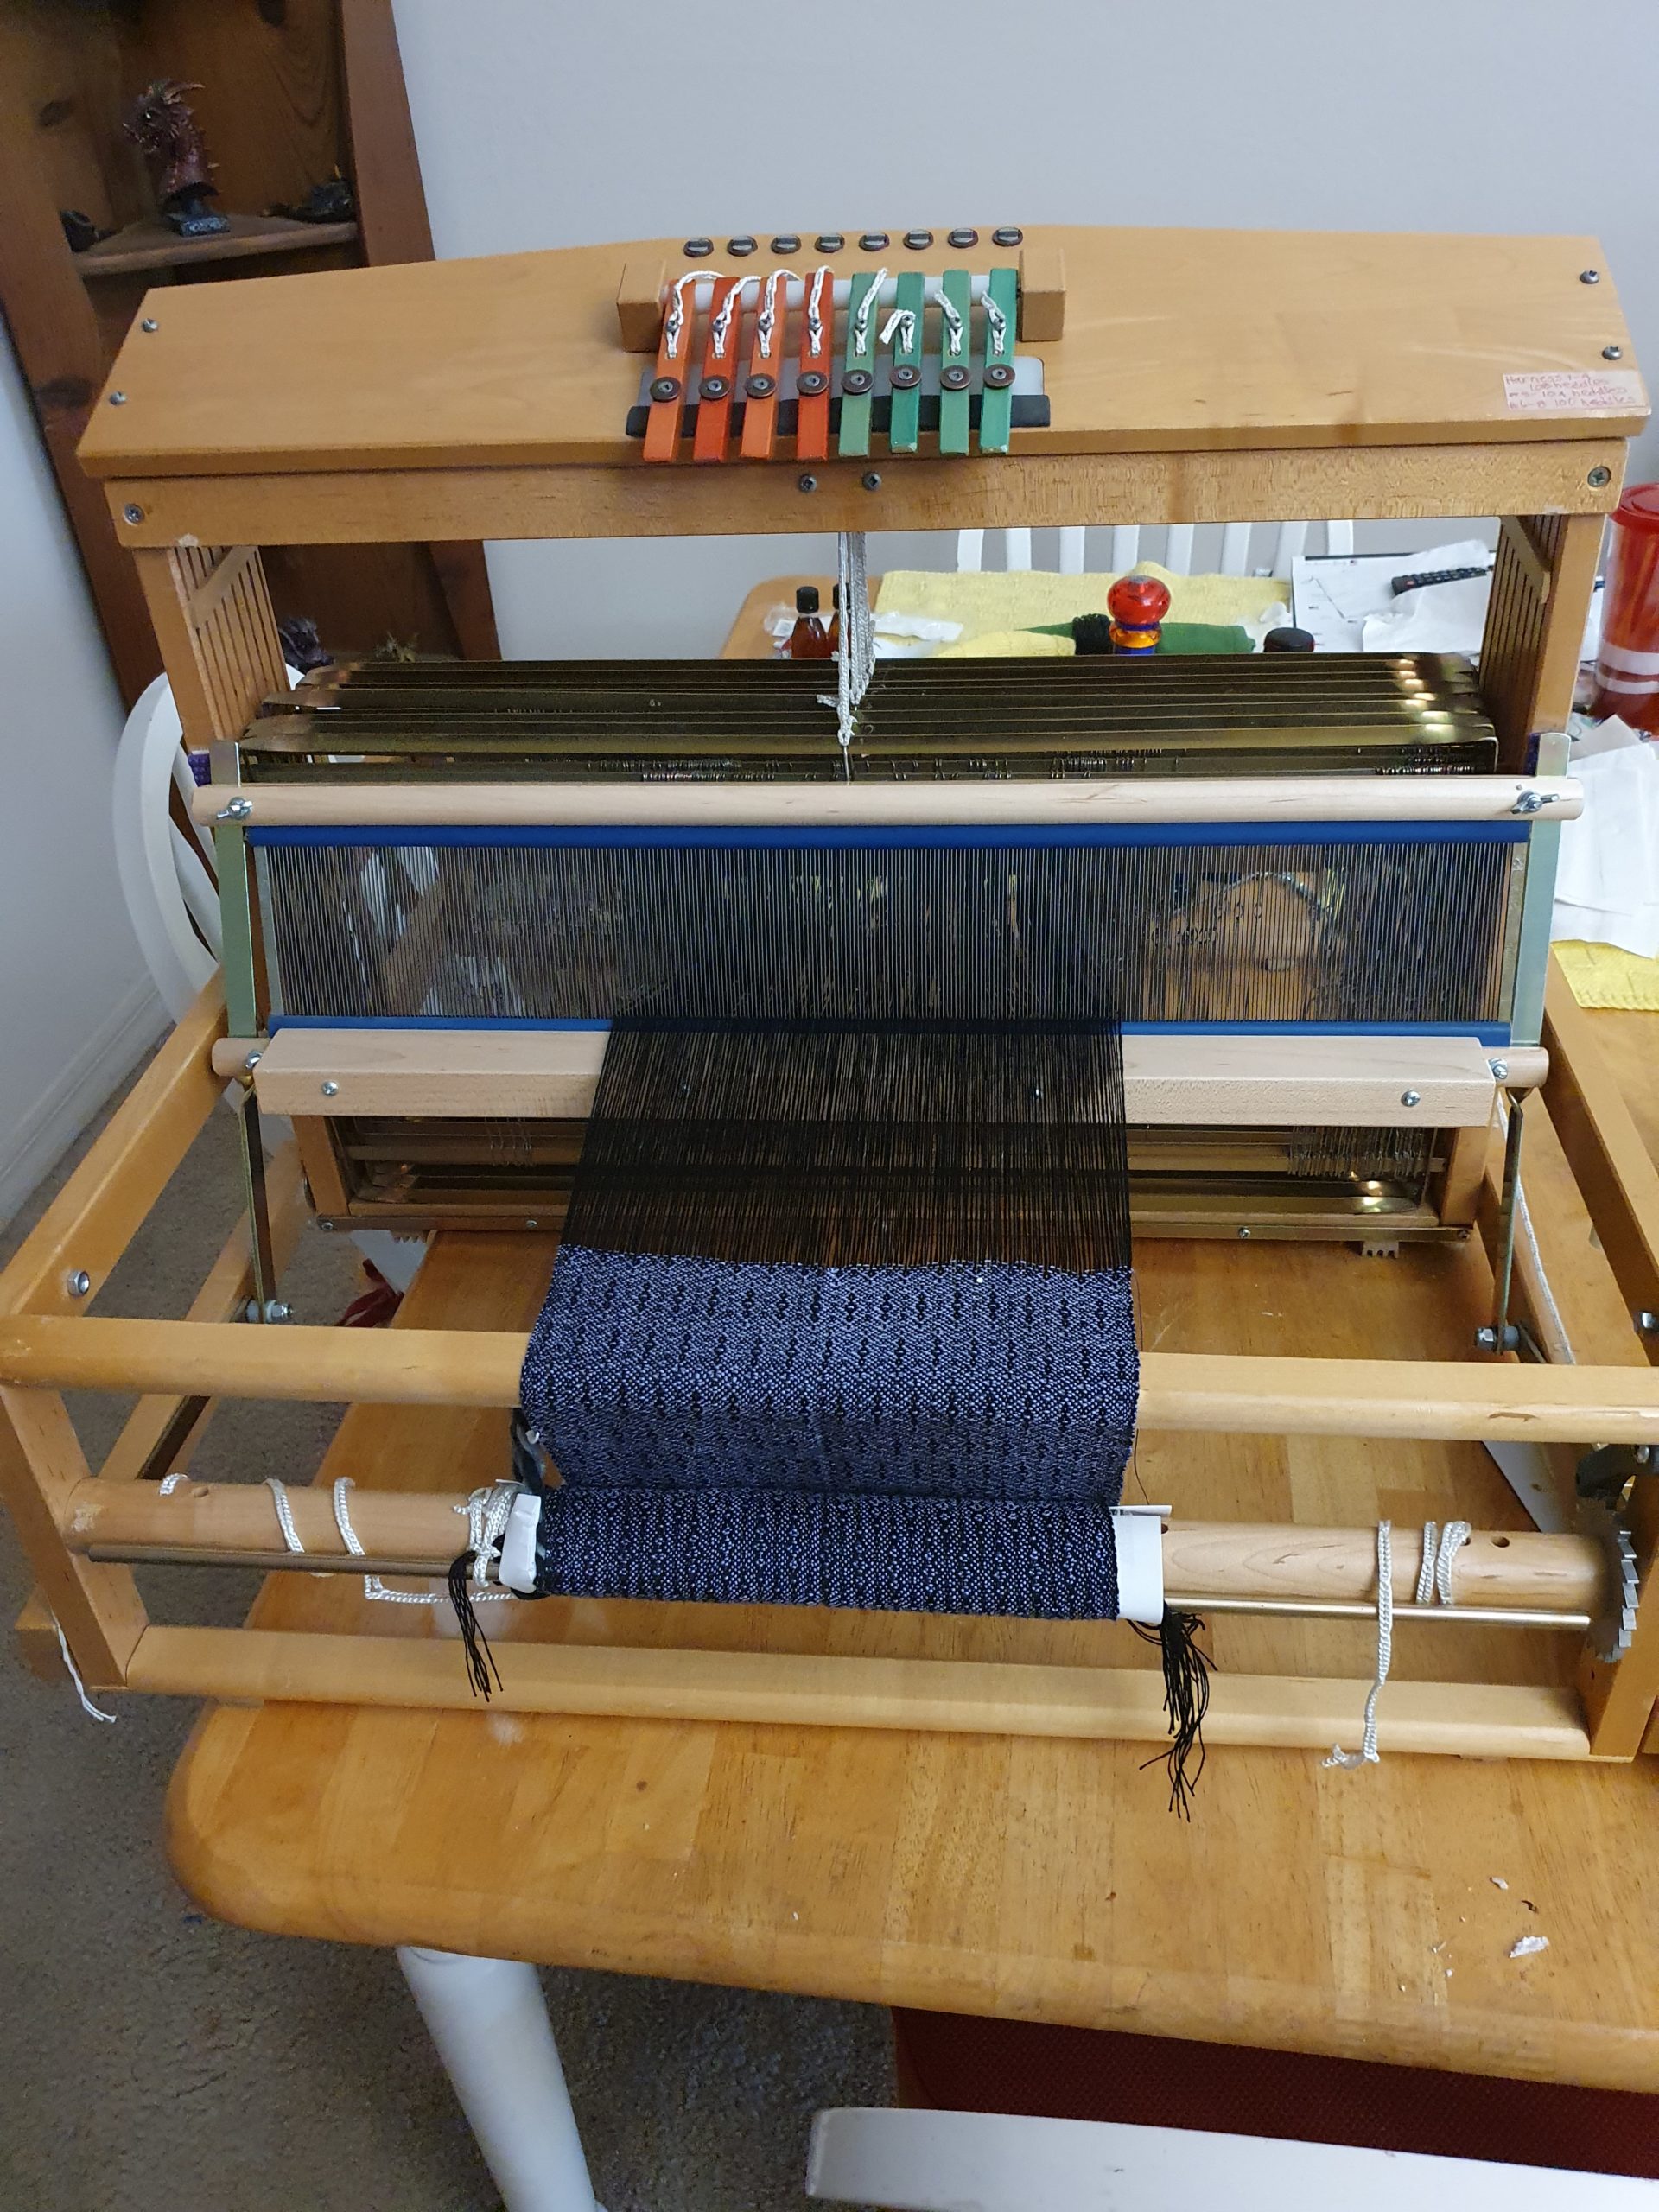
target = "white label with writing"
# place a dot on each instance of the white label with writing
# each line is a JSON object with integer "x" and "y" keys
{"x": 1573, "y": 391}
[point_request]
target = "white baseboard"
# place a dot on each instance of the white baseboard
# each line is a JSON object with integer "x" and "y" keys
{"x": 39, "y": 1137}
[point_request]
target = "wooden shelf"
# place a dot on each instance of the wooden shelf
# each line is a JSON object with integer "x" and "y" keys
{"x": 153, "y": 243}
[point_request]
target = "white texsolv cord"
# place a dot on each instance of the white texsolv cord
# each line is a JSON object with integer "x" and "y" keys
{"x": 1367, "y": 1753}
{"x": 1440, "y": 1548}
{"x": 93, "y": 1712}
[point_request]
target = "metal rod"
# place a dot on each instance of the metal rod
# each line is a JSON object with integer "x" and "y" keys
{"x": 425, "y": 1570}
{"x": 268, "y": 1562}
{"x": 1331, "y": 1609}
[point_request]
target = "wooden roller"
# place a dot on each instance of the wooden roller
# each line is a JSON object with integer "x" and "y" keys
{"x": 1237, "y": 1560}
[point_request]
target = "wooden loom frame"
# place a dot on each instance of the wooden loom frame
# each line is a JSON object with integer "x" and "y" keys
{"x": 195, "y": 536}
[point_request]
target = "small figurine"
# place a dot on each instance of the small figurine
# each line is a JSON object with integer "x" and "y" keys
{"x": 80, "y": 229}
{"x": 162, "y": 128}
{"x": 302, "y": 647}
{"x": 332, "y": 201}
{"x": 1137, "y": 606}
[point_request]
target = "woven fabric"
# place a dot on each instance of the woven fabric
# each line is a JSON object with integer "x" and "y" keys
{"x": 654, "y": 1371}
{"x": 773, "y": 1547}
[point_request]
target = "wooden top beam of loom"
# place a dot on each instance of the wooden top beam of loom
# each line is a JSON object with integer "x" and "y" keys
{"x": 391, "y": 389}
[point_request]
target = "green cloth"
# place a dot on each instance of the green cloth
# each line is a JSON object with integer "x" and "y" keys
{"x": 1180, "y": 637}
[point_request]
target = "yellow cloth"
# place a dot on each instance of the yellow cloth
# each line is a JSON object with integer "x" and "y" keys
{"x": 993, "y": 600}
{"x": 1007, "y": 645}
{"x": 1605, "y": 975}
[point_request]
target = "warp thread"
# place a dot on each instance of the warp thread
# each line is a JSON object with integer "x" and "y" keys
{"x": 1187, "y": 1699}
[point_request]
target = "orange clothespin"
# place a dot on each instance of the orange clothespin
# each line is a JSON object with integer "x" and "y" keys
{"x": 818, "y": 351}
{"x": 722, "y": 337}
{"x": 673, "y": 360}
{"x": 766, "y": 359}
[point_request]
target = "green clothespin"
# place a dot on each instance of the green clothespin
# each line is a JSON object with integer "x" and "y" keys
{"x": 996, "y": 405}
{"x": 911, "y": 301}
{"x": 858, "y": 372}
{"x": 956, "y": 359}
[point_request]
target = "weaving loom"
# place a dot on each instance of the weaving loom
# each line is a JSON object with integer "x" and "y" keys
{"x": 842, "y": 1034}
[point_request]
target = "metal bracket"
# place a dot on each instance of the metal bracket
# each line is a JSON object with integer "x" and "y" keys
{"x": 264, "y": 1305}
{"x": 1603, "y": 1476}
{"x": 1501, "y": 1334}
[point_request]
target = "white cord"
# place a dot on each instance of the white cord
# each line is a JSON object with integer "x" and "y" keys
{"x": 1367, "y": 1753}
{"x": 902, "y": 320}
{"x": 815, "y": 310}
{"x": 855, "y": 663}
{"x": 998, "y": 323}
{"x": 93, "y": 1712}
{"x": 955, "y": 329}
{"x": 765, "y": 320}
{"x": 721, "y": 328}
{"x": 487, "y": 1512}
{"x": 170, "y": 1483}
{"x": 1440, "y": 1548}
{"x": 674, "y": 328}
{"x": 373, "y": 1586}
{"x": 284, "y": 1514}
{"x": 866, "y": 310}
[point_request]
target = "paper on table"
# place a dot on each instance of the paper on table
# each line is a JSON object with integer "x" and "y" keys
{"x": 1334, "y": 596}
{"x": 1607, "y": 880}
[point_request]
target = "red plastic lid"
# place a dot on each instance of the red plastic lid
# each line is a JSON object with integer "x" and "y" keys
{"x": 1639, "y": 508}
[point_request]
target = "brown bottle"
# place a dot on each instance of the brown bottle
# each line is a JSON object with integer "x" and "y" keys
{"x": 835, "y": 620}
{"x": 809, "y": 640}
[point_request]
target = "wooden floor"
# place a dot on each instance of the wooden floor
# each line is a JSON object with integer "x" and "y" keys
{"x": 1302, "y": 1908}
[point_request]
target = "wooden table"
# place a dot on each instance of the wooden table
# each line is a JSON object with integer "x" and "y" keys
{"x": 1303, "y": 1909}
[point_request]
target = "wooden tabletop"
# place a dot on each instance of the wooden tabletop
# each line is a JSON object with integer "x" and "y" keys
{"x": 1303, "y": 1908}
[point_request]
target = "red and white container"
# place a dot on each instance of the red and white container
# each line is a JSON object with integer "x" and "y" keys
{"x": 1627, "y": 662}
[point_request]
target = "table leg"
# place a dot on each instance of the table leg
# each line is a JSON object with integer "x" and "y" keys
{"x": 489, "y": 2020}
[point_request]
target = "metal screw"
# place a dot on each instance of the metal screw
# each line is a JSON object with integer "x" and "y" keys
{"x": 1613, "y": 352}
{"x": 235, "y": 809}
{"x": 1486, "y": 1338}
{"x": 1411, "y": 1098}
{"x": 1647, "y": 1323}
{"x": 117, "y": 400}
{"x": 149, "y": 323}
{"x": 252, "y": 1060}
{"x": 275, "y": 1311}
{"x": 1244, "y": 1232}
{"x": 532, "y": 1225}
{"x": 77, "y": 1282}
{"x": 133, "y": 511}
{"x": 327, "y": 1224}
{"x": 1599, "y": 477}
{"x": 871, "y": 481}
{"x": 806, "y": 483}
{"x": 1499, "y": 1068}
{"x": 1589, "y": 275}
{"x": 331, "y": 1089}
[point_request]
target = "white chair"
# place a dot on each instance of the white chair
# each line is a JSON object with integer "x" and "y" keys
{"x": 912, "y": 2161}
{"x": 1177, "y": 555}
{"x": 173, "y": 900}
{"x": 171, "y": 897}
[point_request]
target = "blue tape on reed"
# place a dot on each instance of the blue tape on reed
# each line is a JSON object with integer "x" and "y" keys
{"x": 774, "y": 1547}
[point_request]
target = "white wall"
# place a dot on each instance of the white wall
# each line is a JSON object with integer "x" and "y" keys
{"x": 76, "y": 1006}
{"x": 558, "y": 124}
